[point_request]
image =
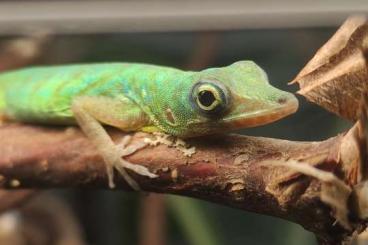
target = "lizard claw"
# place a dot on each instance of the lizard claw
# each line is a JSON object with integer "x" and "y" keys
{"x": 116, "y": 160}
{"x": 141, "y": 170}
{"x": 121, "y": 164}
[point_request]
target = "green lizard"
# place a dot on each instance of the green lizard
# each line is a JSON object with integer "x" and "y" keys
{"x": 142, "y": 97}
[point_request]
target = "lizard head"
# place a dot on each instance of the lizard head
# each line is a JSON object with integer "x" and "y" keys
{"x": 217, "y": 100}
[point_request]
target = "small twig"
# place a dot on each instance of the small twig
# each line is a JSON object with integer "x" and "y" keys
{"x": 23, "y": 51}
{"x": 153, "y": 220}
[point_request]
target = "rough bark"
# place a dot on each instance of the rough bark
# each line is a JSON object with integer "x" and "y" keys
{"x": 233, "y": 170}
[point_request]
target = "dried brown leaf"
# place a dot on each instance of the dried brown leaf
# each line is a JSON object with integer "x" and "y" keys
{"x": 360, "y": 194}
{"x": 361, "y": 197}
{"x": 334, "y": 192}
{"x": 337, "y": 75}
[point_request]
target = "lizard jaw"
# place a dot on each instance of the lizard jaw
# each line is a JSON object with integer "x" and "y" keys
{"x": 265, "y": 116}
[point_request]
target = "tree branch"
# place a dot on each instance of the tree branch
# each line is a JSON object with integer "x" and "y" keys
{"x": 233, "y": 170}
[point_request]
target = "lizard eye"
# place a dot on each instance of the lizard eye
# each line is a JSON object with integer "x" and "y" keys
{"x": 210, "y": 97}
{"x": 207, "y": 98}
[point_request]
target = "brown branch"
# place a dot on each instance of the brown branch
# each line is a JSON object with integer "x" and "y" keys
{"x": 232, "y": 170}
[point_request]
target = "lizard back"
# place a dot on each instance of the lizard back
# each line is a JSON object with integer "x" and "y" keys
{"x": 45, "y": 94}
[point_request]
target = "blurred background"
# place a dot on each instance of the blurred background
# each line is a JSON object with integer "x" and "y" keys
{"x": 280, "y": 36}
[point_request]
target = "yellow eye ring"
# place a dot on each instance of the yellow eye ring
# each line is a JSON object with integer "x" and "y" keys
{"x": 208, "y": 98}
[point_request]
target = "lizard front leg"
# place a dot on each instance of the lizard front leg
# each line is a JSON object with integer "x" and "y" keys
{"x": 111, "y": 153}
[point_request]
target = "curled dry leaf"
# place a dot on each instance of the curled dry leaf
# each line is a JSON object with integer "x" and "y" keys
{"x": 337, "y": 75}
{"x": 360, "y": 191}
{"x": 334, "y": 193}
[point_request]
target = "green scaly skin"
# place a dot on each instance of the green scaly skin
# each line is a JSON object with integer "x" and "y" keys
{"x": 158, "y": 98}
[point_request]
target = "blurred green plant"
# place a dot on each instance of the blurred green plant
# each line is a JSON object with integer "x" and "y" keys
{"x": 192, "y": 219}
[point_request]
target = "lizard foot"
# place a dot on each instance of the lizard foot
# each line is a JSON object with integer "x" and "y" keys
{"x": 83, "y": 109}
{"x": 116, "y": 161}
{"x": 171, "y": 141}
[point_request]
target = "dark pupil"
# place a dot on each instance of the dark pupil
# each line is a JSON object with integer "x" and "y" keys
{"x": 206, "y": 98}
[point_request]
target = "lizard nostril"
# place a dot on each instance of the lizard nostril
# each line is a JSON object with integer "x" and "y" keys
{"x": 282, "y": 100}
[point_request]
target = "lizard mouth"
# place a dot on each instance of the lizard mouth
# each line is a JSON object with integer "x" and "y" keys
{"x": 282, "y": 108}
{"x": 262, "y": 117}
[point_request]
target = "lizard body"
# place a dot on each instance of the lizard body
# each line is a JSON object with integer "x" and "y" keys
{"x": 142, "y": 97}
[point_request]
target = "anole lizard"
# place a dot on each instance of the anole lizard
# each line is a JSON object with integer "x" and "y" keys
{"x": 142, "y": 97}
